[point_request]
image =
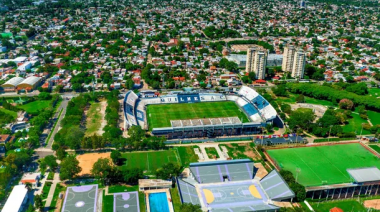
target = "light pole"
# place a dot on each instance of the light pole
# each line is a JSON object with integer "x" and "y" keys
{"x": 328, "y": 139}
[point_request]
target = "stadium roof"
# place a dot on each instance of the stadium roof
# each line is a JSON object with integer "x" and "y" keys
{"x": 218, "y": 171}
{"x": 275, "y": 187}
{"x": 15, "y": 200}
{"x": 13, "y": 82}
{"x": 362, "y": 175}
{"x": 31, "y": 80}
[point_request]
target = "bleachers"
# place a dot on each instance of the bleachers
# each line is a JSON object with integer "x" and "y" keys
{"x": 249, "y": 109}
{"x": 260, "y": 102}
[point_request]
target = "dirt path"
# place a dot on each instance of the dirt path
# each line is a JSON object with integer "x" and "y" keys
{"x": 103, "y": 107}
{"x": 375, "y": 203}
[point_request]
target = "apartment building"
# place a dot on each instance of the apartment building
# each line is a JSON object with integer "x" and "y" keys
{"x": 294, "y": 61}
{"x": 256, "y": 61}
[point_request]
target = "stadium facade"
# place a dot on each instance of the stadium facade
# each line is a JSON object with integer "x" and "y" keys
{"x": 257, "y": 109}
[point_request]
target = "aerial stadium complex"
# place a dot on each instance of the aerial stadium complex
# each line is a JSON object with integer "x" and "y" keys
{"x": 231, "y": 186}
{"x": 191, "y": 114}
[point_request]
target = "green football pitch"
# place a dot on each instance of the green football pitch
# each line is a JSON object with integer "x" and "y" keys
{"x": 324, "y": 164}
{"x": 161, "y": 115}
{"x": 150, "y": 161}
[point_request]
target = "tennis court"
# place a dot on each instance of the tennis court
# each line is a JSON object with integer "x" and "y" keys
{"x": 126, "y": 202}
{"x": 321, "y": 165}
{"x": 80, "y": 199}
{"x": 149, "y": 161}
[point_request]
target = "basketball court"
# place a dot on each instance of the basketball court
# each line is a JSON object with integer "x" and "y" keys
{"x": 126, "y": 202}
{"x": 80, "y": 199}
{"x": 232, "y": 194}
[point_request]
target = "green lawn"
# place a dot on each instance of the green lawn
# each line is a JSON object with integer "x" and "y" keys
{"x": 149, "y": 161}
{"x": 355, "y": 125}
{"x": 187, "y": 155}
{"x": 122, "y": 188}
{"x": 94, "y": 119}
{"x": 175, "y": 198}
{"x": 35, "y": 106}
{"x": 374, "y": 92}
{"x": 12, "y": 113}
{"x": 160, "y": 115}
{"x": 211, "y": 152}
{"x": 57, "y": 190}
{"x": 345, "y": 205}
{"x": 324, "y": 164}
{"x": 292, "y": 99}
{"x": 107, "y": 202}
{"x": 375, "y": 147}
{"x": 374, "y": 117}
{"x": 237, "y": 151}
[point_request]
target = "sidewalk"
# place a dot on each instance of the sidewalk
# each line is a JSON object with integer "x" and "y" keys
{"x": 52, "y": 189}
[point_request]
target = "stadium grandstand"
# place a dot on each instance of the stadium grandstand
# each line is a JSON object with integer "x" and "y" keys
{"x": 231, "y": 186}
{"x": 256, "y": 108}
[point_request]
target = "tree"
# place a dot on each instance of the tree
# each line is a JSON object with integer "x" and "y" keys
{"x": 42, "y": 165}
{"x": 69, "y": 168}
{"x": 280, "y": 90}
{"x": 168, "y": 171}
{"x": 300, "y": 98}
{"x": 252, "y": 76}
{"x": 51, "y": 161}
{"x": 136, "y": 133}
{"x": 188, "y": 207}
{"x": 222, "y": 83}
{"x": 28, "y": 186}
{"x": 301, "y": 118}
{"x": 44, "y": 96}
{"x": 102, "y": 169}
{"x": 346, "y": 104}
{"x": 30, "y": 208}
{"x": 132, "y": 176}
{"x": 60, "y": 153}
{"x": 38, "y": 202}
{"x": 115, "y": 156}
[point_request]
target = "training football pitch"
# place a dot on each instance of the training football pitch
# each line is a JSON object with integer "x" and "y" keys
{"x": 324, "y": 164}
{"x": 160, "y": 115}
{"x": 150, "y": 161}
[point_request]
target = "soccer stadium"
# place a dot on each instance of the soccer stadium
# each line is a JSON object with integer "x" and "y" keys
{"x": 231, "y": 186}
{"x": 191, "y": 115}
{"x": 331, "y": 171}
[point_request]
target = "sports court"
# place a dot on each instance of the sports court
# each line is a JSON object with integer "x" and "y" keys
{"x": 149, "y": 161}
{"x": 161, "y": 115}
{"x": 232, "y": 194}
{"x": 126, "y": 202}
{"x": 324, "y": 165}
{"x": 80, "y": 199}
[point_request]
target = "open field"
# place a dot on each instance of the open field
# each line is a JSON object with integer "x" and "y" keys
{"x": 86, "y": 161}
{"x": 211, "y": 152}
{"x": 375, "y": 147}
{"x": 241, "y": 151}
{"x": 292, "y": 99}
{"x": 149, "y": 161}
{"x": 187, "y": 155}
{"x": 12, "y": 113}
{"x": 160, "y": 115}
{"x": 323, "y": 164}
{"x": 345, "y": 205}
{"x": 355, "y": 125}
{"x": 34, "y": 107}
{"x": 374, "y": 92}
{"x": 374, "y": 117}
{"x": 95, "y": 118}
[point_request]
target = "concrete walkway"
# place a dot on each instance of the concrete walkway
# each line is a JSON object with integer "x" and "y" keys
{"x": 51, "y": 191}
{"x": 222, "y": 155}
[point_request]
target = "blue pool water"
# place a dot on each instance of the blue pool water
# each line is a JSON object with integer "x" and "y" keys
{"x": 158, "y": 202}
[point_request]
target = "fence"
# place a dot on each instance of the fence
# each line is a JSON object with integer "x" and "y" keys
{"x": 179, "y": 141}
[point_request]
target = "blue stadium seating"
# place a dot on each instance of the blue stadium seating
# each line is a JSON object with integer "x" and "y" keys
{"x": 249, "y": 109}
{"x": 260, "y": 102}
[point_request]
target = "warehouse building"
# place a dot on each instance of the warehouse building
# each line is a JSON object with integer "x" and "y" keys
{"x": 29, "y": 84}
{"x": 11, "y": 85}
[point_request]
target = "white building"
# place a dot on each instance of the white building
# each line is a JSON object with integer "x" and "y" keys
{"x": 294, "y": 61}
{"x": 256, "y": 61}
{"x": 17, "y": 200}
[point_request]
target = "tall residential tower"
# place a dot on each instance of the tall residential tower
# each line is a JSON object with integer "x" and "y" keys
{"x": 294, "y": 61}
{"x": 256, "y": 61}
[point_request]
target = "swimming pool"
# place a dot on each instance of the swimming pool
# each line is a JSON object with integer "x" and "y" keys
{"x": 158, "y": 202}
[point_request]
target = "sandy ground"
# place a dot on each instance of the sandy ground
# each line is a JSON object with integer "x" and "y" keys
{"x": 262, "y": 172}
{"x": 86, "y": 161}
{"x": 103, "y": 107}
{"x": 372, "y": 204}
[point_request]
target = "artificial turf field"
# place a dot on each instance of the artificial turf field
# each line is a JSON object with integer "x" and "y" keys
{"x": 324, "y": 164}
{"x": 149, "y": 161}
{"x": 161, "y": 114}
